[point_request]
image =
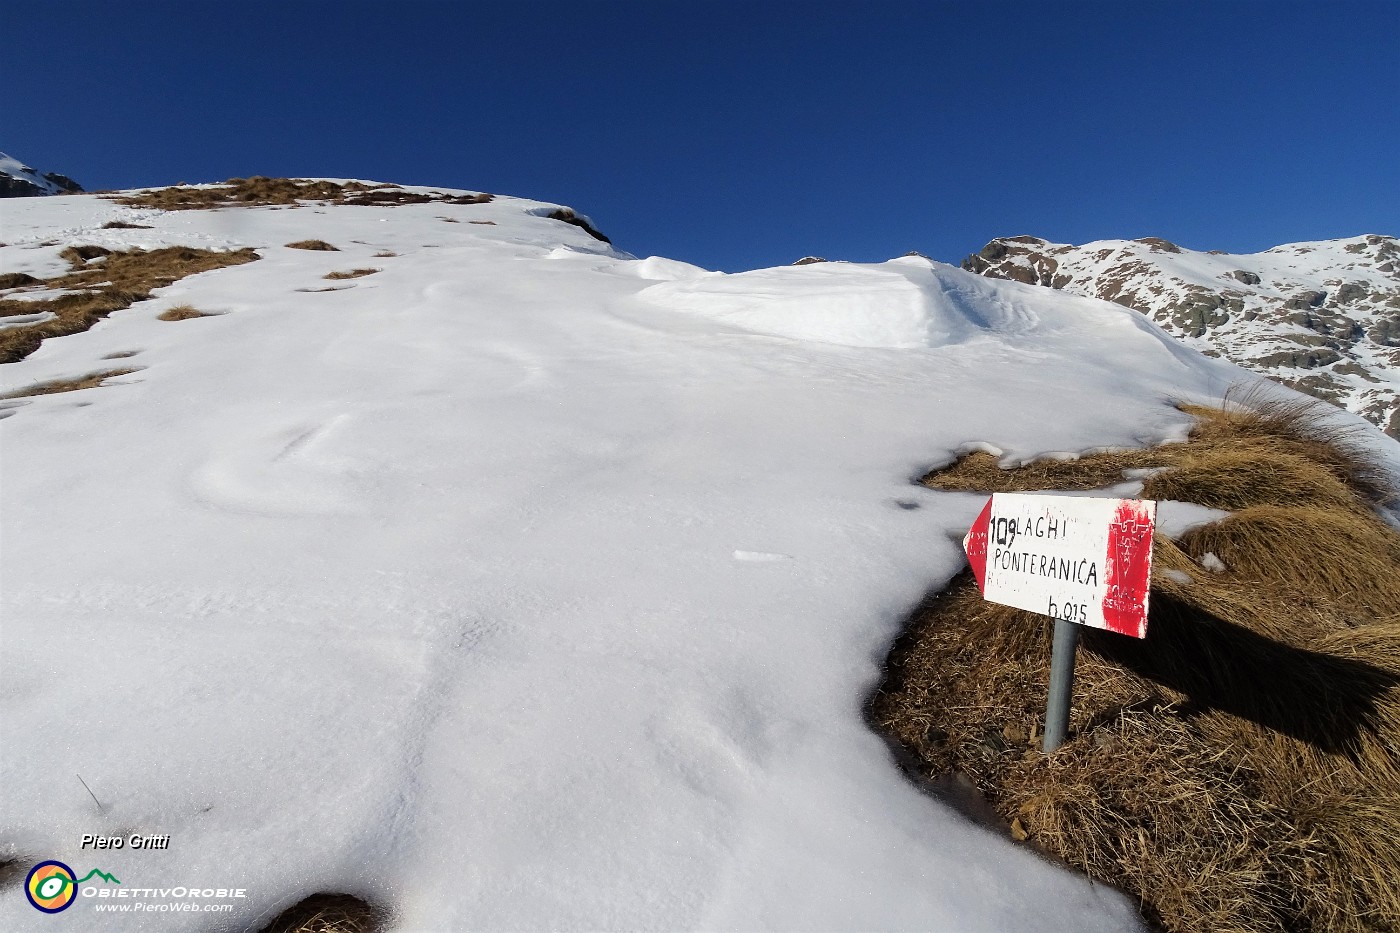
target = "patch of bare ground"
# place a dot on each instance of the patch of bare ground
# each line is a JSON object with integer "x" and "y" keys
{"x": 100, "y": 282}
{"x": 1238, "y": 769}
{"x": 387, "y": 253}
{"x": 183, "y": 313}
{"x": 314, "y": 245}
{"x": 123, "y": 225}
{"x": 260, "y": 190}
{"x": 350, "y": 274}
{"x": 329, "y": 913}
{"x": 569, "y": 217}
{"x": 90, "y": 381}
{"x": 12, "y": 872}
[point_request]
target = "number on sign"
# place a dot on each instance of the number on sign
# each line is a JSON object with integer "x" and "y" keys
{"x": 1070, "y": 612}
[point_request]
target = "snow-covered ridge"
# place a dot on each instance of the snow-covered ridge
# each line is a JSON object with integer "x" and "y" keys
{"x": 1321, "y": 316}
{"x": 18, "y": 180}
{"x": 518, "y": 583}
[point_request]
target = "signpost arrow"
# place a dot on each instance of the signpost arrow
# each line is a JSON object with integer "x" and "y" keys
{"x": 1079, "y": 560}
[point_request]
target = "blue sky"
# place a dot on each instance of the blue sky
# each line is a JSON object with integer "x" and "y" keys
{"x": 741, "y": 135}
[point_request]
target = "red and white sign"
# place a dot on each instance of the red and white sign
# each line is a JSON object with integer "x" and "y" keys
{"x": 1085, "y": 560}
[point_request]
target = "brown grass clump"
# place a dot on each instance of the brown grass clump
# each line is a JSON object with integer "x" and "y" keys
{"x": 123, "y": 225}
{"x": 183, "y": 313}
{"x": 385, "y": 254}
{"x": 260, "y": 191}
{"x": 315, "y": 245}
{"x": 1252, "y": 450}
{"x": 350, "y": 274}
{"x": 78, "y": 255}
{"x": 90, "y": 381}
{"x": 1238, "y": 769}
{"x": 329, "y": 913}
{"x": 16, "y": 280}
{"x": 100, "y": 288}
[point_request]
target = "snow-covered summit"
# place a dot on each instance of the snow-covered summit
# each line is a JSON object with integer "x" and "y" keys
{"x": 1321, "y": 316}
{"x": 18, "y": 180}
{"x": 449, "y": 556}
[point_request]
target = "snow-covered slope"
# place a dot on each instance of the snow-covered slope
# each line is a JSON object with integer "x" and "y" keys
{"x": 1324, "y": 316}
{"x": 18, "y": 180}
{"x": 520, "y": 584}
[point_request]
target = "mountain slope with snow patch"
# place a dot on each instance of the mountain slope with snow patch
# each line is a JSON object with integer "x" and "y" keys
{"x": 490, "y": 573}
{"x": 18, "y": 180}
{"x": 1323, "y": 317}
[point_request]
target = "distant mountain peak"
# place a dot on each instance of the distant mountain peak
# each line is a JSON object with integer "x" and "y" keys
{"x": 18, "y": 180}
{"x": 1322, "y": 317}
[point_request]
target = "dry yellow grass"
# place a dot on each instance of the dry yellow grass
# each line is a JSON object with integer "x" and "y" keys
{"x": 260, "y": 190}
{"x": 16, "y": 280}
{"x": 1295, "y": 453}
{"x": 350, "y": 274}
{"x": 183, "y": 313}
{"x": 103, "y": 281}
{"x": 329, "y": 913}
{"x": 315, "y": 245}
{"x": 90, "y": 381}
{"x": 1237, "y": 770}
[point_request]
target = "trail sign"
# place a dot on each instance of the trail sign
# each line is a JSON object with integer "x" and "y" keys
{"x": 1082, "y": 560}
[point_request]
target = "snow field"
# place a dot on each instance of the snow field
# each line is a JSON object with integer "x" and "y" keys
{"x": 522, "y": 584}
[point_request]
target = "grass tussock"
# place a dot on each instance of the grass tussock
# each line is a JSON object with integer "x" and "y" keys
{"x": 261, "y": 191}
{"x": 183, "y": 313}
{"x": 329, "y": 913}
{"x": 350, "y": 274}
{"x": 91, "y": 381}
{"x": 100, "y": 282}
{"x": 1253, "y": 450}
{"x": 385, "y": 254}
{"x": 1238, "y": 769}
{"x": 123, "y": 225}
{"x": 16, "y": 280}
{"x": 314, "y": 245}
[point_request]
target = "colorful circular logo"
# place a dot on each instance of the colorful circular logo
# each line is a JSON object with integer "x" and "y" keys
{"x": 51, "y": 887}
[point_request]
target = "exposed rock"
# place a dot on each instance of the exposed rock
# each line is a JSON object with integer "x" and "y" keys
{"x": 568, "y": 216}
{"x": 1306, "y": 300}
{"x": 808, "y": 260}
{"x": 64, "y": 182}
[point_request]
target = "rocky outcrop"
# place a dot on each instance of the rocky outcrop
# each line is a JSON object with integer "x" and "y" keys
{"x": 18, "y": 180}
{"x": 1323, "y": 317}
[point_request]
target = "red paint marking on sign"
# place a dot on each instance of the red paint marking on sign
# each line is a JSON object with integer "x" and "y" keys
{"x": 1127, "y": 567}
{"x": 976, "y": 545}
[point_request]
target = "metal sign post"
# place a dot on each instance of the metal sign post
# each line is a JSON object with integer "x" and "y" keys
{"x": 1061, "y": 684}
{"x": 1079, "y": 560}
